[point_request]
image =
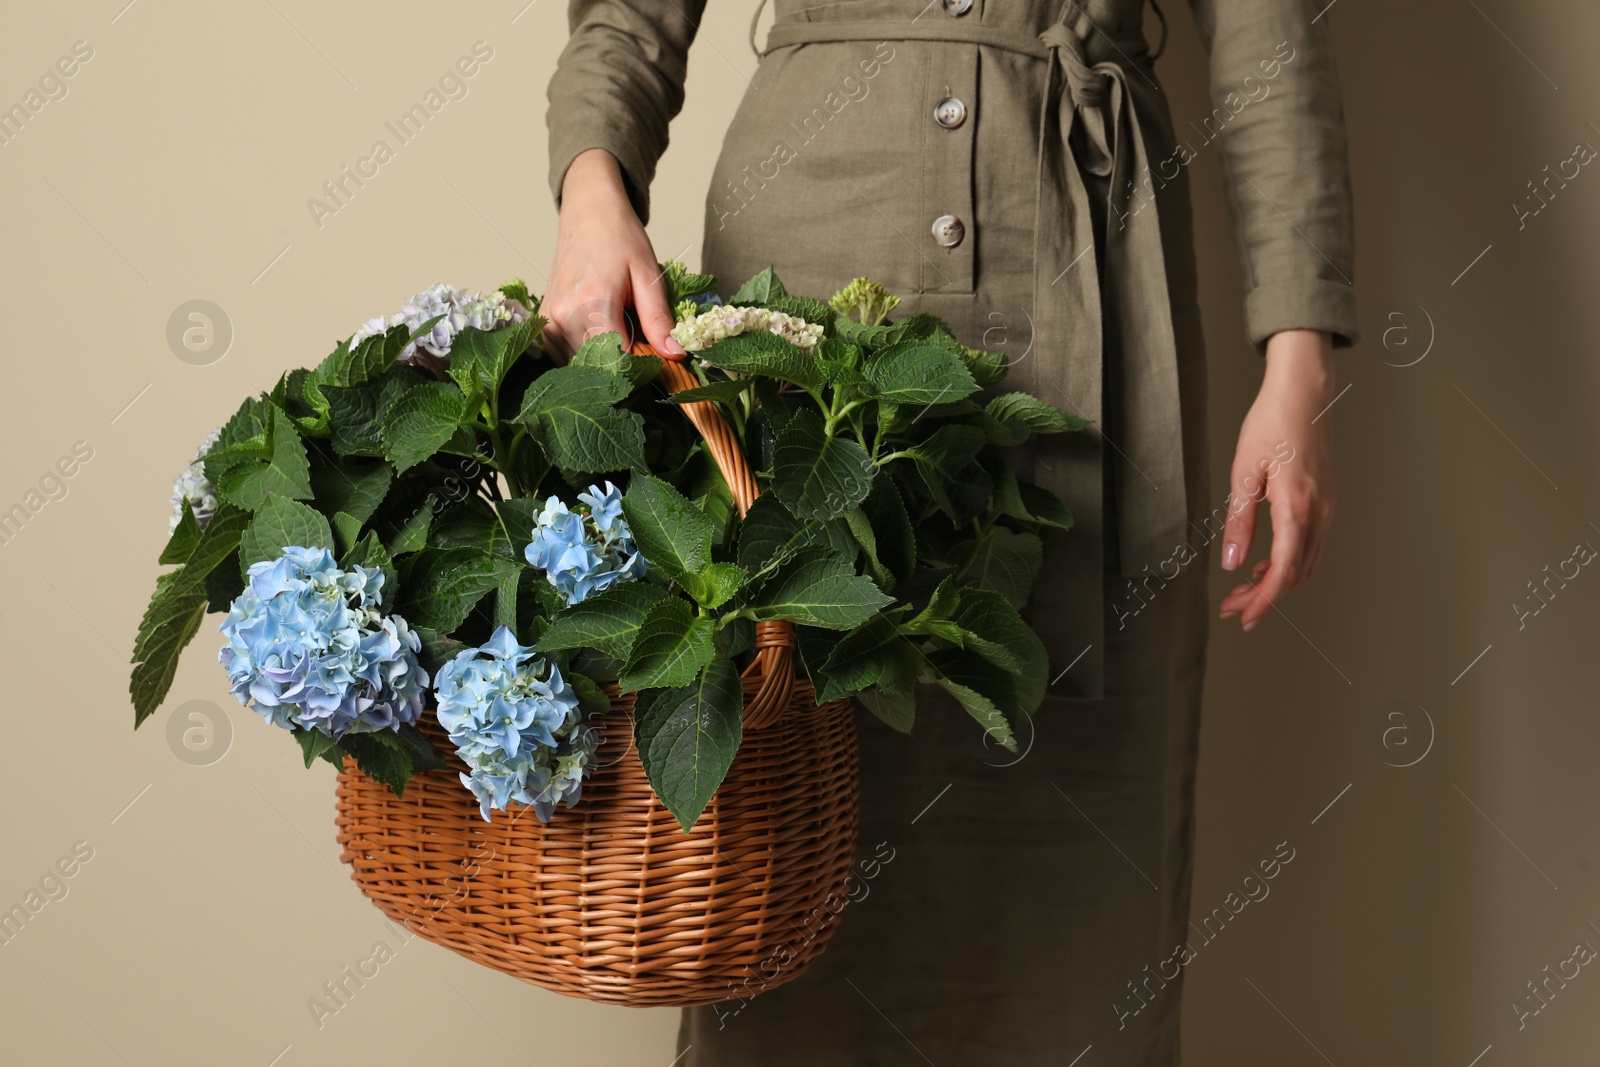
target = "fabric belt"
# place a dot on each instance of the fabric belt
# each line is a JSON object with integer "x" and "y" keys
{"x": 1095, "y": 100}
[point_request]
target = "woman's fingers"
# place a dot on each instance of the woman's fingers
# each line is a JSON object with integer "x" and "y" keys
{"x": 1243, "y": 503}
{"x": 650, "y": 303}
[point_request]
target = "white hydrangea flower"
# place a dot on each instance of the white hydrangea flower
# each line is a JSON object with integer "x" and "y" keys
{"x": 719, "y": 323}
{"x": 459, "y": 309}
{"x": 191, "y": 485}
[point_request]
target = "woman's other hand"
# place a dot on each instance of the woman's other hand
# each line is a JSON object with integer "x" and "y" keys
{"x": 604, "y": 264}
{"x": 1284, "y": 458}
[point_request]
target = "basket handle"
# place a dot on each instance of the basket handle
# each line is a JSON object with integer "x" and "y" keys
{"x": 773, "y": 667}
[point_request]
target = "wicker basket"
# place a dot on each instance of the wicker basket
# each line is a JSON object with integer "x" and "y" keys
{"x": 611, "y": 901}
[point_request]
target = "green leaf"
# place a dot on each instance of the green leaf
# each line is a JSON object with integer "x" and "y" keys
{"x": 217, "y": 543}
{"x": 608, "y": 621}
{"x": 353, "y": 419}
{"x": 419, "y": 422}
{"x": 605, "y": 352}
{"x": 817, "y": 476}
{"x": 866, "y": 539}
{"x": 279, "y": 524}
{"x": 891, "y": 526}
{"x": 947, "y": 461}
{"x": 505, "y": 601}
{"x": 415, "y": 744}
{"x": 673, "y": 646}
{"x": 991, "y": 627}
{"x": 681, "y": 284}
{"x": 725, "y": 389}
{"x": 169, "y": 623}
{"x": 673, "y": 534}
{"x": 897, "y": 708}
{"x": 767, "y": 354}
{"x": 770, "y": 536}
{"x": 315, "y": 743}
{"x": 820, "y": 589}
{"x": 715, "y": 585}
{"x": 413, "y": 536}
{"x": 444, "y": 585}
{"x": 346, "y": 529}
{"x": 381, "y": 758}
{"x": 570, "y": 410}
{"x": 1008, "y": 563}
{"x": 759, "y": 290}
{"x": 183, "y": 539}
{"x": 1012, "y": 416}
{"x": 916, "y": 372}
{"x": 981, "y": 708}
{"x": 369, "y": 359}
{"x": 355, "y": 488}
{"x": 437, "y": 648}
{"x": 873, "y": 653}
{"x": 479, "y": 359}
{"x": 287, "y": 474}
{"x": 687, "y": 738}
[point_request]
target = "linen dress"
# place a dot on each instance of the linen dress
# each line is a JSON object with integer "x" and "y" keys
{"x": 1012, "y": 166}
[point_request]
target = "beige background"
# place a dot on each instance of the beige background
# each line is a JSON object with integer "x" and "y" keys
{"x": 178, "y": 166}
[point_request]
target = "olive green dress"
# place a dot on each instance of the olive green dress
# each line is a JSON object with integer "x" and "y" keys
{"x": 1013, "y": 167}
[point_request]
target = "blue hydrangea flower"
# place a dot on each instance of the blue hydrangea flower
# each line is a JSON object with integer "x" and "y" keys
{"x": 308, "y": 649}
{"x": 193, "y": 486}
{"x": 517, "y": 725}
{"x": 583, "y": 552}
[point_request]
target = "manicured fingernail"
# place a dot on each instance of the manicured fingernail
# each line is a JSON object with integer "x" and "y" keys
{"x": 1230, "y": 555}
{"x": 1251, "y": 625}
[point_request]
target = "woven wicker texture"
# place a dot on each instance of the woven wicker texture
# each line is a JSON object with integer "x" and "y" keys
{"x": 611, "y": 901}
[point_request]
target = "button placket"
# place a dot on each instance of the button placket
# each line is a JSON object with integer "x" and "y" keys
{"x": 949, "y": 219}
{"x": 956, "y": 8}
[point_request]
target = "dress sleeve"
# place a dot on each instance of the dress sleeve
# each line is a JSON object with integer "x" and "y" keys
{"x": 1277, "y": 115}
{"x": 617, "y": 85}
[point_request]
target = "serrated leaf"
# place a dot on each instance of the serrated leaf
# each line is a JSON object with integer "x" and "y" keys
{"x": 715, "y": 585}
{"x": 672, "y": 647}
{"x": 444, "y": 585}
{"x": 982, "y": 709}
{"x": 759, "y": 289}
{"x": 724, "y": 390}
{"x": 288, "y": 474}
{"x": 479, "y": 359}
{"x": 607, "y": 621}
{"x": 1008, "y": 563}
{"x": 183, "y": 539}
{"x": 687, "y": 738}
{"x": 381, "y": 758}
{"x": 169, "y": 623}
{"x": 419, "y": 422}
{"x": 770, "y": 536}
{"x": 673, "y": 534}
{"x": 346, "y": 529}
{"x": 418, "y": 749}
{"x": 891, "y": 526}
{"x": 413, "y": 535}
{"x": 353, "y": 487}
{"x": 916, "y": 372}
{"x": 1029, "y": 413}
{"x": 280, "y": 524}
{"x": 570, "y": 410}
{"x": 605, "y": 352}
{"x": 873, "y": 653}
{"x": 766, "y": 354}
{"x": 820, "y": 589}
{"x": 353, "y": 419}
{"x": 315, "y": 744}
{"x": 817, "y": 476}
{"x": 897, "y": 708}
{"x": 947, "y": 461}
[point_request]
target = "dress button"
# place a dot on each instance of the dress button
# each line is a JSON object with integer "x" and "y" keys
{"x": 956, "y": 8}
{"x": 948, "y": 231}
{"x": 950, "y": 113}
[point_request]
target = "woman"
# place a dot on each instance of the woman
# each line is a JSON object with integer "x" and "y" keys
{"x": 1011, "y": 166}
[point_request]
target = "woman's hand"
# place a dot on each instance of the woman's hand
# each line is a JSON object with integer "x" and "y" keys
{"x": 604, "y": 264}
{"x": 1283, "y": 457}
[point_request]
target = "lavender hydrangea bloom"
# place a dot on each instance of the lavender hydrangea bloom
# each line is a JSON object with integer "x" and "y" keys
{"x": 193, "y": 486}
{"x": 308, "y": 649}
{"x": 517, "y": 725}
{"x": 459, "y": 309}
{"x": 587, "y": 551}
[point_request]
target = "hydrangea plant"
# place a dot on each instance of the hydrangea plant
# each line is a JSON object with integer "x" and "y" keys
{"x": 441, "y": 516}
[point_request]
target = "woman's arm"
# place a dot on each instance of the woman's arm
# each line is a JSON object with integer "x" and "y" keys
{"x": 1280, "y": 124}
{"x": 617, "y": 86}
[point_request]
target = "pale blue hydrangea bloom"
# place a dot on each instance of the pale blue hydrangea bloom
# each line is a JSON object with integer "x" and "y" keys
{"x": 308, "y": 648}
{"x": 192, "y": 486}
{"x": 460, "y": 309}
{"x": 516, "y": 723}
{"x": 583, "y": 552}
